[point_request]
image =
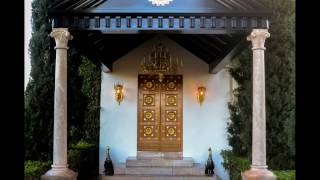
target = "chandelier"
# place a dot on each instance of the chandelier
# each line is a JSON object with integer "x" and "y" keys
{"x": 160, "y": 2}
{"x": 160, "y": 62}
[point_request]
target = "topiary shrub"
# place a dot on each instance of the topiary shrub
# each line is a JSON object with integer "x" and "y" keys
{"x": 82, "y": 145}
{"x": 84, "y": 159}
{"x": 234, "y": 164}
{"x": 35, "y": 169}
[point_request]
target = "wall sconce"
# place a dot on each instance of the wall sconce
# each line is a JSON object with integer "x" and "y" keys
{"x": 118, "y": 92}
{"x": 201, "y": 94}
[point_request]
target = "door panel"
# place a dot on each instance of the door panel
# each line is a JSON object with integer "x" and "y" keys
{"x": 148, "y": 114}
{"x": 160, "y": 113}
{"x": 171, "y": 113}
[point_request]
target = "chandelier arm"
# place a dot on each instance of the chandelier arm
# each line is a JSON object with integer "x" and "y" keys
{"x": 160, "y": 62}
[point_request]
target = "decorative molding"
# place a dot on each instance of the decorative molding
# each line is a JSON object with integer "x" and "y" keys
{"x": 258, "y": 38}
{"x": 61, "y": 37}
{"x": 177, "y": 23}
{"x": 160, "y": 2}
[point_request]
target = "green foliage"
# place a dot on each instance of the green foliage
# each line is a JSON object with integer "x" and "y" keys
{"x": 234, "y": 164}
{"x": 285, "y": 174}
{"x": 83, "y": 158}
{"x": 83, "y": 91}
{"x": 38, "y": 125}
{"x": 34, "y": 169}
{"x": 81, "y": 145}
{"x": 90, "y": 72}
{"x": 84, "y": 109}
{"x": 280, "y": 91}
{"x": 240, "y": 126}
{"x": 77, "y": 100}
{"x": 280, "y": 86}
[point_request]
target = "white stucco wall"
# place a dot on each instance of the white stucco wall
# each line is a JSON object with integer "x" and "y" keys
{"x": 203, "y": 127}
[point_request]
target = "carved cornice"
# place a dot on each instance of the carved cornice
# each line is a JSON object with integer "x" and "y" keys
{"x": 258, "y": 38}
{"x": 61, "y": 37}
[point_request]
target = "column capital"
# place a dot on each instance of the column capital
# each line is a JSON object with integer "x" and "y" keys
{"x": 258, "y": 38}
{"x": 61, "y": 37}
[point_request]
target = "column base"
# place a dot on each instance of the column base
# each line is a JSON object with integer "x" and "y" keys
{"x": 258, "y": 174}
{"x": 60, "y": 174}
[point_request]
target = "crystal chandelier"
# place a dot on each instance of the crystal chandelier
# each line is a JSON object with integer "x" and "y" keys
{"x": 160, "y": 62}
{"x": 160, "y": 2}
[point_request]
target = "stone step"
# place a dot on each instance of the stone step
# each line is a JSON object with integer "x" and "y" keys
{"x": 156, "y": 154}
{"x": 119, "y": 168}
{"x": 148, "y": 171}
{"x": 139, "y": 177}
{"x": 196, "y": 170}
{"x": 159, "y": 162}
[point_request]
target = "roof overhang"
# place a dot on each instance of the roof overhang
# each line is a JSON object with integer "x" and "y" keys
{"x": 219, "y": 27}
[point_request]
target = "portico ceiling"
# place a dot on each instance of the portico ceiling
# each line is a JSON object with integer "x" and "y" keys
{"x": 213, "y": 30}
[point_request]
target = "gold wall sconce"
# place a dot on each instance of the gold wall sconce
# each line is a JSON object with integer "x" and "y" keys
{"x": 201, "y": 94}
{"x": 118, "y": 92}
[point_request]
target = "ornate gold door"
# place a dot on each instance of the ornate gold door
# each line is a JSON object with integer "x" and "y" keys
{"x": 160, "y": 113}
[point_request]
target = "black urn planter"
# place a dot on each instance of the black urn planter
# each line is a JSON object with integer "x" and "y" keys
{"x": 209, "y": 171}
{"x": 108, "y": 166}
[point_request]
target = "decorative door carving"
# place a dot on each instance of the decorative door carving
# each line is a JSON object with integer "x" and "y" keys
{"x": 160, "y": 113}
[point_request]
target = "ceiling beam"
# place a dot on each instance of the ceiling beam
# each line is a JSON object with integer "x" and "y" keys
{"x": 215, "y": 38}
{"x": 90, "y": 48}
{"x": 105, "y": 69}
{"x": 225, "y": 4}
{"x": 114, "y": 51}
{"x": 211, "y": 44}
{"x": 220, "y": 63}
{"x": 194, "y": 47}
{"x": 198, "y": 44}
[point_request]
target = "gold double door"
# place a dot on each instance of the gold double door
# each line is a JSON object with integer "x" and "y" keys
{"x": 160, "y": 113}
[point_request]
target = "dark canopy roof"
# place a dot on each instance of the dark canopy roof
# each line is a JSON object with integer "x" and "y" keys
{"x": 176, "y": 6}
{"x": 213, "y": 30}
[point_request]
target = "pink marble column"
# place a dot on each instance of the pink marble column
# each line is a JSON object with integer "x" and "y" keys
{"x": 259, "y": 166}
{"x": 60, "y": 165}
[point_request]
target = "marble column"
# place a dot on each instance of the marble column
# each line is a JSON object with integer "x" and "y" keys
{"x": 259, "y": 166}
{"x": 60, "y": 168}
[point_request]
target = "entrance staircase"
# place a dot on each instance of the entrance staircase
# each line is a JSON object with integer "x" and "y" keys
{"x": 159, "y": 168}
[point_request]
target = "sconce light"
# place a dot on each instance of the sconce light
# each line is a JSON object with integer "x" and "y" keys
{"x": 201, "y": 94}
{"x": 118, "y": 92}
